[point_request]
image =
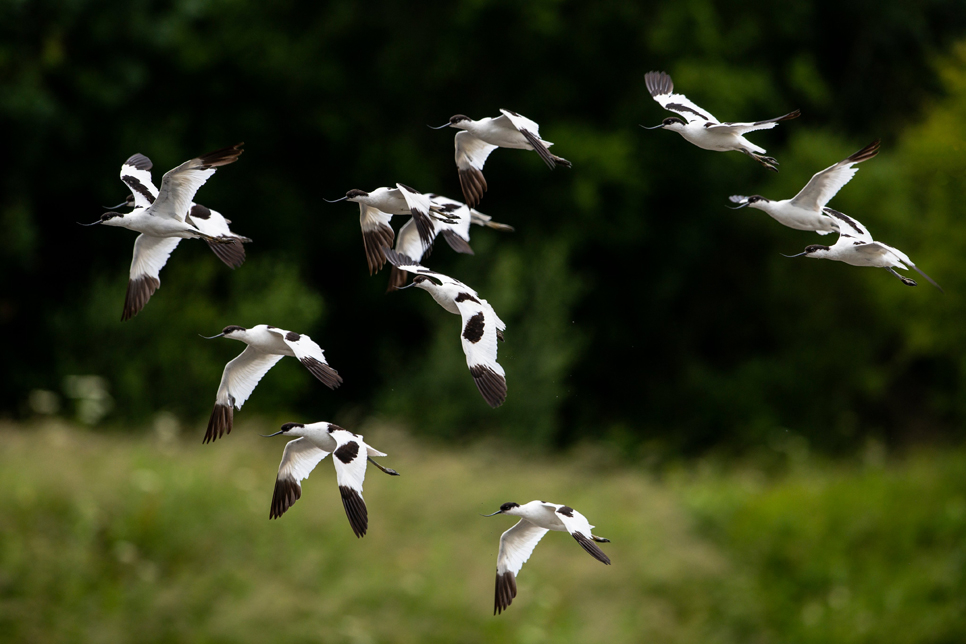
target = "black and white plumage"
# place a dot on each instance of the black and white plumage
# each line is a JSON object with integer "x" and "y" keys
{"x": 855, "y": 246}
{"x": 806, "y": 210}
{"x": 266, "y": 346}
{"x": 455, "y": 230}
{"x": 376, "y": 209}
{"x": 704, "y": 130}
{"x": 349, "y": 455}
{"x": 481, "y": 326}
{"x": 479, "y": 138}
{"x": 517, "y": 544}
{"x": 165, "y": 216}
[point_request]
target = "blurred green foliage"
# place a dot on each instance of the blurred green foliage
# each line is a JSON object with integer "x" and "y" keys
{"x": 639, "y": 310}
{"x": 151, "y": 539}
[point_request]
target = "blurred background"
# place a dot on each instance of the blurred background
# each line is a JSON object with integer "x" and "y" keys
{"x": 782, "y": 439}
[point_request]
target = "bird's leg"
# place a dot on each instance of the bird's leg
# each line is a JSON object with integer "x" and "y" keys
{"x": 765, "y": 161}
{"x": 908, "y": 281}
{"x": 221, "y": 239}
{"x": 599, "y": 539}
{"x": 561, "y": 161}
{"x": 389, "y": 471}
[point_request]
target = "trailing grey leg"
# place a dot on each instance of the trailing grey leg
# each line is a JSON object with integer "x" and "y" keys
{"x": 389, "y": 471}
{"x": 908, "y": 281}
{"x": 768, "y": 162}
{"x": 599, "y": 539}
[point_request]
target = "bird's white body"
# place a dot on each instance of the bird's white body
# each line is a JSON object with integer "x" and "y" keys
{"x": 479, "y": 138}
{"x": 702, "y": 129}
{"x": 517, "y": 543}
{"x": 856, "y": 247}
{"x": 266, "y": 346}
{"x": 315, "y": 442}
{"x": 481, "y": 330}
{"x": 806, "y": 210}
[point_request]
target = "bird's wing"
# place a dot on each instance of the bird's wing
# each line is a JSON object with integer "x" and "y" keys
{"x": 579, "y": 528}
{"x": 743, "y": 128}
{"x": 311, "y": 356}
{"x": 531, "y": 132}
{"x": 298, "y": 460}
{"x": 849, "y": 227}
{"x": 479, "y": 338}
{"x": 350, "y": 472}
{"x": 825, "y": 184}
{"x": 409, "y": 244}
{"x": 661, "y": 88}
{"x": 136, "y": 175}
{"x": 238, "y": 381}
{"x": 214, "y": 224}
{"x": 150, "y": 255}
{"x": 516, "y": 546}
{"x": 408, "y": 264}
{"x": 178, "y": 186}
{"x": 419, "y": 205}
{"x": 456, "y": 234}
{"x": 377, "y": 235}
{"x": 471, "y": 154}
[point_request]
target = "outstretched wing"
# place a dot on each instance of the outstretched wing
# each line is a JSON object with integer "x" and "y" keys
{"x": 178, "y": 186}
{"x": 213, "y": 223}
{"x": 298, "y": 460}
{"x": 471, "y": 154}
{"x": 419, "y": 205}
{"x": 849, "y": 227}
{"x": 409, "y": 244}
{"x": 744, "y": 128}
{"x": 377, "y": 235}
{"x": 481, "y": 328}
{"x": 531, "y": 132}
{"x": 661, "y": 88}
{"x": 456, "y": 234}
{"x": 408, "y": 264}
{"x": 311, "y": 356}
{"x": 516, "y": 546}
{"x": 136, "y": 175}
{"x": 150, "y": 255}
{"x": 238, "y": 381}
{"x": 825, "y": 184}
{"x": 349, "y": 458}
{"x": 579, "y": 528}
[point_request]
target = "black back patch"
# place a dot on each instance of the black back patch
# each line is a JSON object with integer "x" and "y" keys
{"x": 677, "y": 107}
{"x": 474, "y": 328}
{"x": 567, "y": 511}
{"x": 348, "y": 452}
{"x": 137, "y": 186}
{"x": 292, "y": 336}
{"x": 462, "y": 297}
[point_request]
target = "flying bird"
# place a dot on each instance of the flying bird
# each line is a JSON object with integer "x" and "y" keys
{"x": 457, "y": 234}
{"x": 855, "y": 246}
{"x": 349, "y": 455}
{"x": 806, "y": 210}
{"x": 704, "y": 130}
{"x": 517, "y": 543}
{"x": 136, "y": 175}
{"x": 376, "y": 209}
{"x": 479, "y": 138}
{"x": 481, "y": 325}
{"x": 266, "y": 346}
{"x": 164, "y": 221}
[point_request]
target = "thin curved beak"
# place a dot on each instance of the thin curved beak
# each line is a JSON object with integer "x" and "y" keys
{"x": 210, "y": 338}
{"x": 490, "y": 515}
{"x": 653, "y": 128}
{"x": 446, "y": 124}
{"x": 93, "y": 224}
{"x": 270, "y": 435}
{"x": 334, "y": 200}
{"x": 790, "y": 256}
{"x": 120, "y": 205}
{"x": 738, "y": 206}
{"x": 402, "y": 288}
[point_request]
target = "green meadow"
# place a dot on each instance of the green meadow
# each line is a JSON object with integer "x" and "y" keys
{"x": 157, "y": 538}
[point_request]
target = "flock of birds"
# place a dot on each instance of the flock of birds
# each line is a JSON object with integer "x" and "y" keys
{"x": 165, "y": 216}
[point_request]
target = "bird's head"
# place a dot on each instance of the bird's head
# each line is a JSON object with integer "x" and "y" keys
{"x": 355, "y": 194}
{"x": 817, "y": 251}
{"x": 670, "y": 123}
{"x": 233, "y": 331}
{"x": 108, "y": 219}
{"x": 755, "y": 201}
{"x": 507, "y": 508}
{"x": 289, "y": 429}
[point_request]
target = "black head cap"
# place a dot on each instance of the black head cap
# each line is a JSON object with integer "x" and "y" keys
{"x": 419, "y": 279}
{"x": 456, "y": 118}
{"x": 356, "y": 193}
{"x": 755, "y": 198}
{"x": 231, "y": 329}
{"x": 111, "y": 215}
{"x": 814, "y": 247}
{"x": 671, "y": 120}
{"x": 288, "y": 426}
{"x": 508, "y": 506}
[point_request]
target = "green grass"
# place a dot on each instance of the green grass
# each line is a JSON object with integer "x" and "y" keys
{"x": 105, "y": 538}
